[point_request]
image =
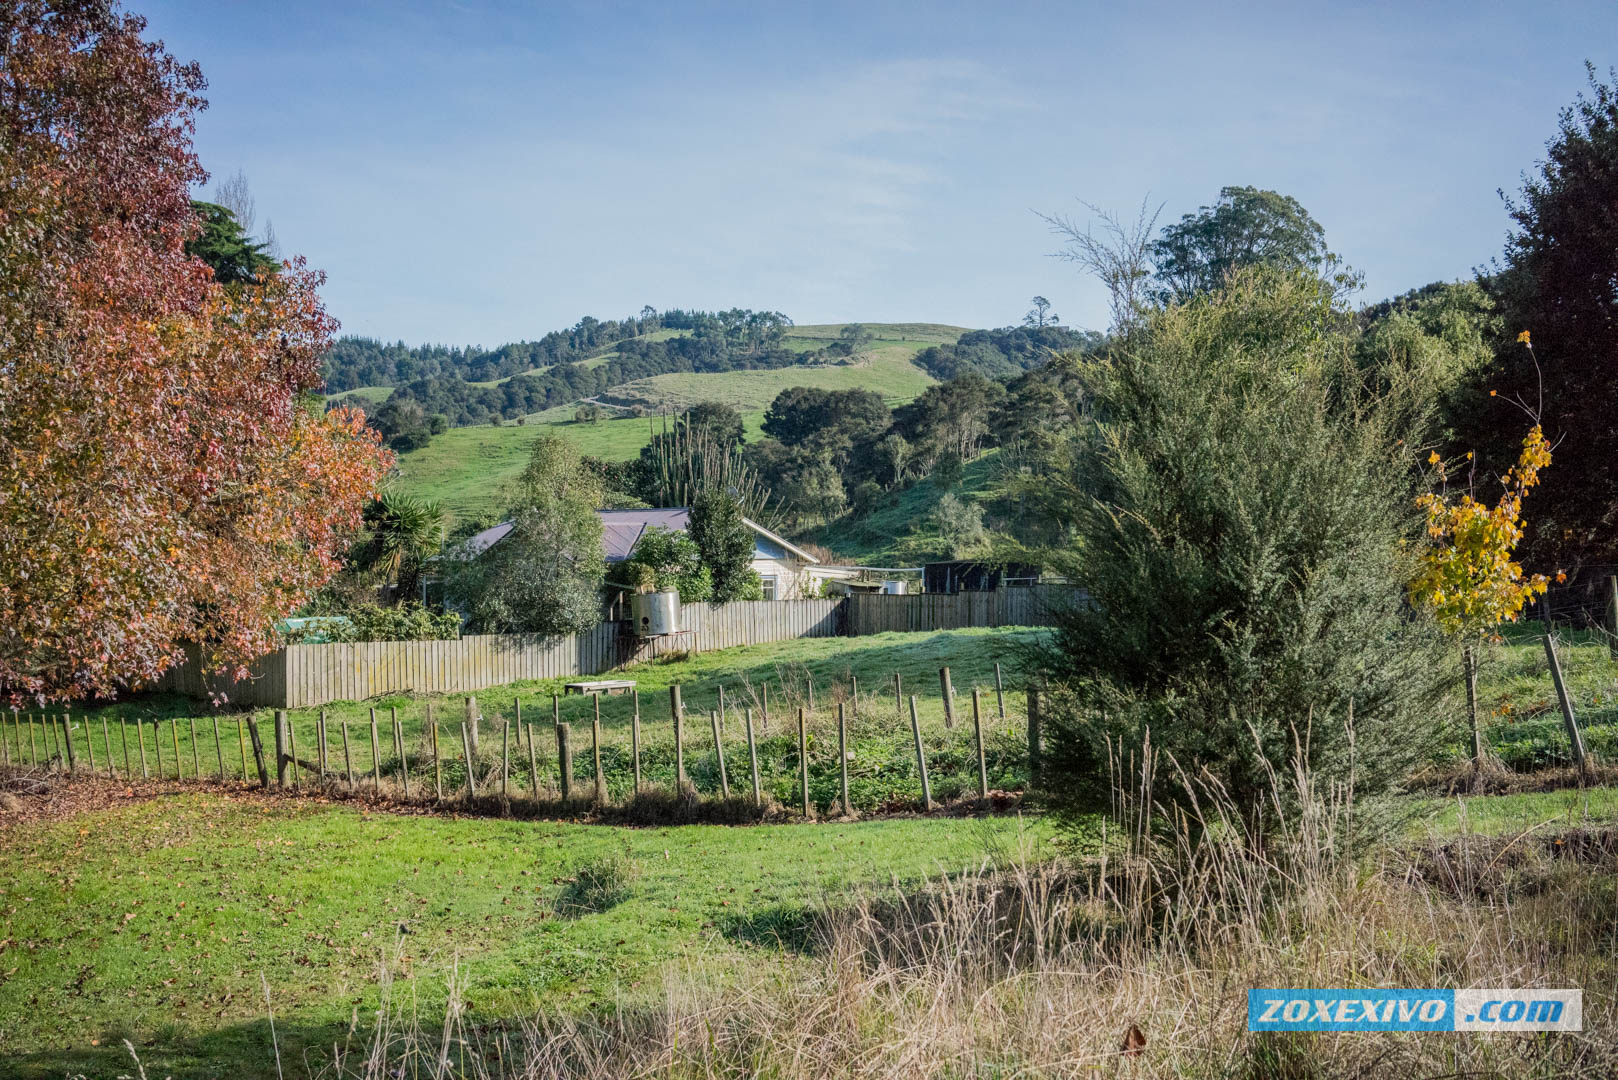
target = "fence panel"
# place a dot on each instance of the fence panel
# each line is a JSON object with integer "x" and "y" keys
{"x": 306, "y": 675}
{"x": 876, "y": 613}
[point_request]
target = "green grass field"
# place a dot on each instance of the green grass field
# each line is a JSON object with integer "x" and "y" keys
{"x": 155, "y": 920}
{"x": 162, "y": 915}
{"x": 1517, "y": 699}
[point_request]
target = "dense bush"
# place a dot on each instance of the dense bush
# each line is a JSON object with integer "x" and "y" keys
{"x": 1240, "y": 507}
{"x": 405, "y": 622}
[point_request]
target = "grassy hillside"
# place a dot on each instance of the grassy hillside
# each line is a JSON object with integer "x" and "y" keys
{"x": 872, "y": 538}
{"x": 467, "y": 468}
{"x": 377, "y": 394}
{"x": 886, "y": 369}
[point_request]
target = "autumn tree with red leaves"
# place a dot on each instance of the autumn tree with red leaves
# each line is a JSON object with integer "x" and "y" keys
{"x": 165, "y": 474}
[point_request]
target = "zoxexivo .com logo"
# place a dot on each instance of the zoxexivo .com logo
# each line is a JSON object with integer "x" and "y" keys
{"x": 1415, "y": 1010}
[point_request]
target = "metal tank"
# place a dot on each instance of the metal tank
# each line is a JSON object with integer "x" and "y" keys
{"x": 655, "y": 614}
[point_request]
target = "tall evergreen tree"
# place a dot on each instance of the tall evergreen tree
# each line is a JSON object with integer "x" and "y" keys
{"x": 1557, "y": 283}
{"x": 726, "y": 545}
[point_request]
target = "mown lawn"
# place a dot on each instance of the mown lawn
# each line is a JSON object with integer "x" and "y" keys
{"x": 162, "y": 920}
{"x": 774, "y": 679}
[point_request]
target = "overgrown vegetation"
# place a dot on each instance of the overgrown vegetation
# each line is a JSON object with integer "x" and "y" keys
{"x": 1240, "y": 511}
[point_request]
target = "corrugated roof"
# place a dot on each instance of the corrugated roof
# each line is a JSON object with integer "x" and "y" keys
{"x": 622, "y": 529}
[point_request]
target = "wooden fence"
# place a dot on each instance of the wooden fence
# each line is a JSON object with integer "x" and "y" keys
{"x": 304, "y": 675}
{"x": 874, "y": 613}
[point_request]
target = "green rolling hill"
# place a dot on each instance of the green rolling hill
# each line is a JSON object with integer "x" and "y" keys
{"x": 467, "y": 468}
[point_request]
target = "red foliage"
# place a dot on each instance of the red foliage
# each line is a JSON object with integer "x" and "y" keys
{"x": 164, "y": 474}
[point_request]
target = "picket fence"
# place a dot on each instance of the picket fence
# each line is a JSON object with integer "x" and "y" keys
{"x": 306, "y": 675}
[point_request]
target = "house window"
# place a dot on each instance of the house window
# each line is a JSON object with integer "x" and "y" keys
{"x": 769, "y": 586}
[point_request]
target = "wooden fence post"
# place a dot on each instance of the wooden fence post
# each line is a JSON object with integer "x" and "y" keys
{"x": 292, "y": 752}
{"x": 404, "y": 756}
{"x": 123, "y": 737}
{"x": 348, "y": 759}
{"x": 803, "y": 761}
{"x": 634, "y": 738}
{"x": 140, "y": 740}
{"x": 67, "y": 734}
{"x": 321, "y": 746}
{"x": 258, "y": 752}
{"x": 595, "y": 752}
{"x": 472, "y": 719}
{"x": 564, "y": 760}
{"x": 921, "y": 758}
{"x": 977, "y": 732}
{"x": 466, "y": 748}
{"x": 89, "y": 746}
{"x": 854, "y": 698}
{"x": 533, "y": 764}
{"x": 675, "y": 710}
{"x": 174, "y": 736}
{"x": 1612, "y": 615}
{"x": 218, "y": 749}
{"x": 719, "y": 749}
{"x": 764, "y": 706}
{"x": 949, "y": 697}
{"x": 1469, "y": 658}
{"x": 1573, "y": 735}
{"x": 196, "y": 756}
{"x": 157, "y": 745}
{"x": 1036, "y": 744}
{"x": 842, "y": 755}
{"x": 376, "y": 758}
{"x": 241, "y": 744}
{"x": 505, "y": 760}
{"x": 999, "y": 691}
{"x": 281, "y": 749}
{"x": 438, "y": 760}
{"x": 752, "y": 759}
{"x": 106, "y": 744}
{"x": 898, "y": 696}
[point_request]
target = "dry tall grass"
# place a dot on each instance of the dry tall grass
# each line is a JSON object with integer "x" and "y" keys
{"x": 1041, "y": 969}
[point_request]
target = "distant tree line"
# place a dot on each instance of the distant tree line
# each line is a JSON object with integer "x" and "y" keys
{"x": 442, "y": 389}
{"x": 1005, "y": 353}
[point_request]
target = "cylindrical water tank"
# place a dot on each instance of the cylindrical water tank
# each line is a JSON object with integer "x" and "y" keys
{"x": 655, "y": 613}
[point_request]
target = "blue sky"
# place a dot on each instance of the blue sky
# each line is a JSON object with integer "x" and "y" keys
{"x": 471, "y": 172}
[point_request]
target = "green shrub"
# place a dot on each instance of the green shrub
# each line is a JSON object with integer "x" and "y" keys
{"x": 371, "y": 622}
{"x": 1240, "y": 508}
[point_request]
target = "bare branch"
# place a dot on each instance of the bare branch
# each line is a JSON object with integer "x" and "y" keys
{"x": 1120, "y": 257}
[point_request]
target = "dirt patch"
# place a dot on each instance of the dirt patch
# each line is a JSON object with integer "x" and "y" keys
{"x": 1495, "y": 779}
{"x": 1524, "y": 864}
{"x": 41, "y": 796}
